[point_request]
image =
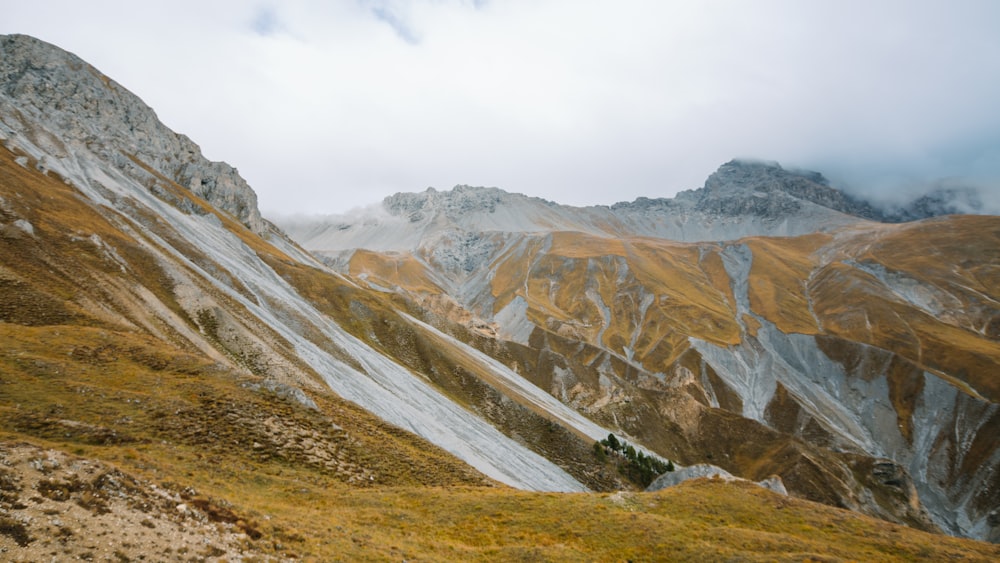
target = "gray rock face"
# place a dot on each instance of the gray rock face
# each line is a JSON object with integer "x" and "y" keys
{"x": 742, "y": 187}
{"x": 461, "y": 252}
{"x": 703, "y": 470}
{"x": 453, "y": 204}
{"x": 63, "y": 106}
{"x": 768, "y": 190}
{"x": 674, "y": 478}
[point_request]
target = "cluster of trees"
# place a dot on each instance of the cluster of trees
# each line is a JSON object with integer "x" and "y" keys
{"x": 636, "y": 465}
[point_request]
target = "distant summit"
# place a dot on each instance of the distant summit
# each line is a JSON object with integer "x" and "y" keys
{"x": 766, "y": 189}
{"x": 742, "y": 198}
{"x": 456, "y": 203}
{"x": 758, "y": 187}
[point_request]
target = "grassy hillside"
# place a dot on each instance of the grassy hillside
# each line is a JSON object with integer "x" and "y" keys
{"x": 107, "y": 433}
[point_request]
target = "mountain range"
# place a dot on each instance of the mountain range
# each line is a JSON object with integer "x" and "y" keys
{"x": 835, "y": 335}
{"x": 179, "y": 368}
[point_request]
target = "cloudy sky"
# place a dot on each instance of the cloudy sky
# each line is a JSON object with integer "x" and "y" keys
{"x": 326, "y": 105}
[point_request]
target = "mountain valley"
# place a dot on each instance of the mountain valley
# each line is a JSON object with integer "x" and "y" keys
{"x": 427, "y": 379}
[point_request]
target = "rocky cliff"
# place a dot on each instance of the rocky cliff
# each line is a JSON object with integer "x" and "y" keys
{"x": 742, "y": 187}
{"x": 69, "y": 112}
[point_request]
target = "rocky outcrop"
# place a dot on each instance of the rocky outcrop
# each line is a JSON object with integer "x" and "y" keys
{"x": 453, "y": 204}
{"x": 747, "y": 187}
{"x": 105, "y": 505}
{"x": 63, "y": 108}
{"x": 703, "y": 471}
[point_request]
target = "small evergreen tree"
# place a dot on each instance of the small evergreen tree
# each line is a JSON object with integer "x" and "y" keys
{"x": 637, "y": 466}
{"x": 599, "y": 452}
{"x": 612, "y": 443}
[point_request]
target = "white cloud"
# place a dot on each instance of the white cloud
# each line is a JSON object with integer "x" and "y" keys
{"x": 325, "y": 106}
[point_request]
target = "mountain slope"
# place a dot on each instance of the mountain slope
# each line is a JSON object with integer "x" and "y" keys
{"x": 218, "y": 287}
{"x": 834, "y": 353}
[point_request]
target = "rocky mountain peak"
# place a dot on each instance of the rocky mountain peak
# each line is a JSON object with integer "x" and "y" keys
{"x": 758, "y": 174}
{"x": 452, "y": 204}
{"x": 82, "y": 110}
{"x": 766, "y": 189}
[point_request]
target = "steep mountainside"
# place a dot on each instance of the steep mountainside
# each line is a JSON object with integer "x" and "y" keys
{"x": 179, "y": 380}
{"x": 207, "y": 283}
{"x": 857, "y": 363}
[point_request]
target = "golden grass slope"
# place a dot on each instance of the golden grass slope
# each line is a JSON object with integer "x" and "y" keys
{"x": 940, "y": 307}
{"x": 779, "y": 281}
{"x": 593, "y": 289}
{"x": 178, "y": 427}
{"x": 643, "y": 295}
{"x": 393, "y": 270}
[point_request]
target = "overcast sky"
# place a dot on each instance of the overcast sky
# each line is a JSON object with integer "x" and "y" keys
{"x": 325, "y": 105}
